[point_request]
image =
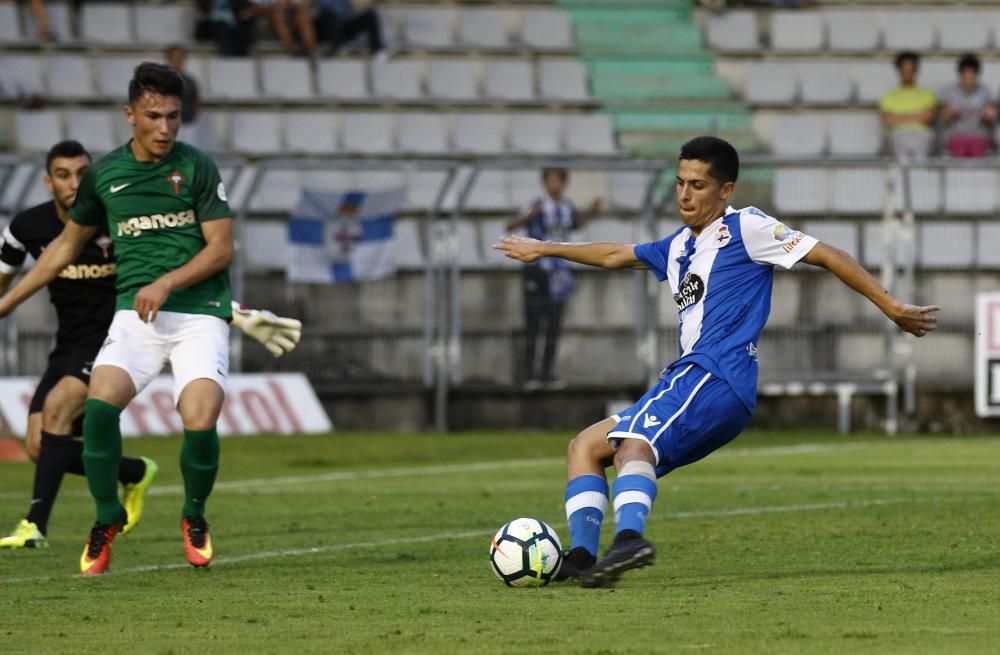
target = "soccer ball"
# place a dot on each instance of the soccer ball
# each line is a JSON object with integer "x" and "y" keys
{"x": 525, "y": 553}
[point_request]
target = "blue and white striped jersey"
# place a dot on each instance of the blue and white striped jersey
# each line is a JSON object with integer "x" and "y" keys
{"x": 721, "y": 281}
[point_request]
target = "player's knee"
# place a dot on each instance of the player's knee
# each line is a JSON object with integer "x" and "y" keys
{"x": 200, "y": 421}
{"x": 59, "y": 411}
{"x": 632, "y": 450}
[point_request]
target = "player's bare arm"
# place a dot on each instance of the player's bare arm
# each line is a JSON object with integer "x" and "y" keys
{"x": 60, "y": 254}
{"x": 603, "y": 254}
{"x": 914, "y": 319}
{"x": 214, "y": 257}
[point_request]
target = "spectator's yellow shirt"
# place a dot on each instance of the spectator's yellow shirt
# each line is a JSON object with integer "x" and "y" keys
{"x": 908, "y": 100}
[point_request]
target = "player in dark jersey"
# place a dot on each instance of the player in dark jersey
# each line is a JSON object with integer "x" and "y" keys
{"x": 84, "y": 299}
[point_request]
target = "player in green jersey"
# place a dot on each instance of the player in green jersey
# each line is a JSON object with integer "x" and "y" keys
{"x": 165, "y": 206}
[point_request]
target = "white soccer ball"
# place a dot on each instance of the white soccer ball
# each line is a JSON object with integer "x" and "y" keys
{"x": 525, "y": 553}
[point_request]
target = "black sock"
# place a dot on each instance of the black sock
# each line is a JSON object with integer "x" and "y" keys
{"x": 625, "y": 535}
{"x": 53, "y": 460}
{"x": 130, "y": 470}
{"x": 75, "y": 465}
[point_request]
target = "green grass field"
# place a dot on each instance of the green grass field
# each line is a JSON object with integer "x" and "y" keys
{"x": 374, "y": 543}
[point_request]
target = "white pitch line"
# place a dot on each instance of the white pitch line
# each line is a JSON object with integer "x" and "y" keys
{"x": 484, "y": 533}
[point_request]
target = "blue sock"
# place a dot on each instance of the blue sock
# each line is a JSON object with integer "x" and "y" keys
{"x": 635, "y": 491}
{"x": 586, "y": 502}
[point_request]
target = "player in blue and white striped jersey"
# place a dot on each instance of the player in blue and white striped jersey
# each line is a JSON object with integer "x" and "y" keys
{"x": 720, "y": 268}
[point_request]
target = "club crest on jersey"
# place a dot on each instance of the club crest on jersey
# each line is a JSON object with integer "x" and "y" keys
{"x": 104, "y": 243}
{"x": 690, "y": 292}
{"x": 175, "y": 180}
{"x": 723, "y": 236}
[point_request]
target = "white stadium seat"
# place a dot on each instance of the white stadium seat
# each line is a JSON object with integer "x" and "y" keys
{"x": 925, "y": 190}
{"x": 909, "y": 30}
{"x": 232, "y": 79}
{"x": 368, "y": 132}
{"x": 21, "y": 76}
{"x": 311, "y": 132}
{"x": 946, "y": 244}
{"x": 987, "y": 254}
{"x": 37, "y": 130}
{"x": 535, "y": 133}
{"x": 798, "y": 134}
{"x": 468, "y": 245}
{"x": 95, "y": 128}
{"x": 795, "y": 31}
{"x": 277, "y": 192}
{"x": 509, "y": 80}
{"x": 970, "y": 191}
{"x": 266, "y": 244}
{"x": 10, "y": 21}
{"x": 627, "y": 189}
{"x": 937, "y": 74}
{"x": 854, "y": 134}
{"x": 825, "y": 83}
{"x": 484, "y": 28}
{"x": 858, "y": 190}
{"x": 490, "y": 230}
{"x": 378, "y": 180}
{"x": 589, "y": 134}
{"x": 256, "y": 132}
{"x": 70, "y": 76}
{"x": 422, "y": 188}
{"x": 801, "y": 191}
{"x": 562, "y": 79}
{"x": 346, "y": 79}
{"x": 963, "y": 31}
{"x": 286, "y": 79}
{"x": 525, "y": 186}
{"x": 771, "y": 83}
{"x": 398, "y": 79}
{"x": 873, "y": 79}
{"x": 164, "y": 24}
{"x": 546, "y": 29}
{"x": 106, "y": 23}
{"x": 479, "y": 133}
{"x": 114, "y": 75}
{"x": 490, "y": 192}
{"x": 839, "y": 234}
{"x": 60, "y": 22}
{"x": 733, "y": 31}
{"x": 453, "y": 79}
{"x": 852, "y": 30}
{"x": 421, "y": 133}
{"x": 430, "y": 27}
{"x": 406, "y": 243}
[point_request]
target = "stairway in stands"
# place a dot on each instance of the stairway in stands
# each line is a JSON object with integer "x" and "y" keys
{"x": 652, "y": 73}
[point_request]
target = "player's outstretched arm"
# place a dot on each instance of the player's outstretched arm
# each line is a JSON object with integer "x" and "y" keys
{"x": 58, "y": 255}
{"x": 911, "y": 318}
{"x": 604, "y": 254}
{"x": 279, "y": 335}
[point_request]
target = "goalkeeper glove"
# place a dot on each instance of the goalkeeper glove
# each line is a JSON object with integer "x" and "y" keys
{"x": 279, "y": 335}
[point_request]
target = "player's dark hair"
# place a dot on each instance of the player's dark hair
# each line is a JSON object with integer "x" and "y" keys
{"x": 721, "y": 157}
{"x": 65, "y": 149}
{"x": 154, "y": 78}
{"x": 907, "y": 55}
{"x": 553, "y": 170}
{"x": 969, "y": 61}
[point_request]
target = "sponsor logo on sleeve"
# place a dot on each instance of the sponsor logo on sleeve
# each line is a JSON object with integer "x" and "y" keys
{"x": 788, "y": 238}
{"x": 221, "y": 192}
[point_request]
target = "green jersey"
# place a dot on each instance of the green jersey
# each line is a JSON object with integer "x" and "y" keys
{"x": 153, "y": 211}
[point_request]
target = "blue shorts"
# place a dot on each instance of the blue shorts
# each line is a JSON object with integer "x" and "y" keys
{"x": 688, "y": 414}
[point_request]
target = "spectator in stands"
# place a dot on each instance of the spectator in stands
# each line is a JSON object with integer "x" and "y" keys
{"x": 968, "y": 113}
{"x": 191, "y": 100}
{"x": 548, "y": 282}
{"x": 229, "y": 23}
{"x": 338, "y": 23}
{"x": 283, "y": 16}
{"x": 908, "y": 111}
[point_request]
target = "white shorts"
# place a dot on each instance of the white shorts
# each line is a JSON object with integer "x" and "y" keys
{"x": 196, "y": 345}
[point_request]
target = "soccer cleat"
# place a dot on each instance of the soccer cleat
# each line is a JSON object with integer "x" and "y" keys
{"x": 574, "y": 563}
{"x": 97, "y": 553}
{"x": 197, "y": 541}
{"x": 25, "y": 535}
{"x": 135, "y": 495}
{"x": 622, "y": 556}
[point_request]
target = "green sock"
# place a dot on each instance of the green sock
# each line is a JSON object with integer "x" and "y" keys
{"x": 199, "y": 465}
{"x": 102, "y": 454}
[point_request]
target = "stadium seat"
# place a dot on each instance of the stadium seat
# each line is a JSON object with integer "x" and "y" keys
{"x": 484, "y": 28}
{"x": 69, "y": 77}
{"x": 606, "y": 229}
{"x": 873, "y": 79}
{"x": 509, "y": 80}
{"x": 266, "y": 245}
{"x": 479, "y": 133}
{"x": 854, "y": 134}
{"x": 562, "y": 79}
{"x": 422, "y": 133}
{"x": 469, "y": 244}
{"x": 427, "y": 27}
{"x": 114, "y": 75}
{"x": 797, "y": 31}
{"x": 163, "y": 24}
{"x": 825, "y": 83}
{"x": 95, "y": 128}
{"x": 590, "y": 134}
{"x": 987, "y": 254}
{"x": 946, "y": 244}
{"x": 277, "y": 192}
{"x": 909, "y": 30}
{"x": 232, "y": 79}
{"x": 970, "y": 191}
{"x": 858, "y": 190}
{"x": 525, "y": 186}
{"x": 873, "y": 253}
{"x": 327, "y": 180}
{"x": 535, "y": 133}
{"x": 936, "y": 75}
{"x": 798, "y": 134}
{"x": 106, "y": 23}
{"x": 422, "y": 187}
{"x": 378, "y": 180}
{"x": 37, "y": 193}
{"x": 22, "y": 175}
{"x": 345, "y": 79}
{"x": 368, "y": 133}
{"x": 60, "y": 22}
{"x": 10, "y": 22}
{"x": 490, "y": 230}
{"x": 490, "y": 192}
{"x": 398, "y": 79}
{"x": 453, "y": 79}
{"x": 406, "y": 244}
{"x": 852, "y": 30}
{"x": 546, "y": 29}
{"x": 925, "y": 190}
{"x": 963, "y": 31}
{"x": 839, "y": 234}
{"x": 801, "y": 191}
{"x": 627, "y": 190}
{"x": 36, "y": 131}
{"x": 311, "y": 132}
{"x": 21, "y": 76}
{"x": 286, "y": 79}
{"x": 733, "y": 31}
{"x": 256, "y": 132}
{"x": 771, "y": 83}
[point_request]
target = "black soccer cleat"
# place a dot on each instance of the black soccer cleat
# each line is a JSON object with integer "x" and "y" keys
{"x": 574, "y": 563}
{"x": 622, "y": 556}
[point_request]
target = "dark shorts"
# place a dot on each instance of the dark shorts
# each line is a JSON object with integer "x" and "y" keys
{"x": 74, "y": 360}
